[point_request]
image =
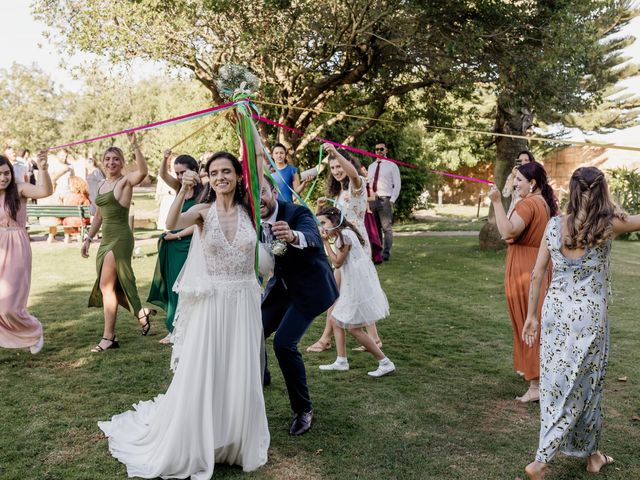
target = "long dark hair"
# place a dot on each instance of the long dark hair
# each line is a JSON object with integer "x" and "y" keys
{"x": 535, "y": 171}
{"x": 528, "y": 154}
{"x": 208, "y": 195}
{"x": 340, "y": 223}
{"x": 335, "y": 186}
{"x": 11, "y": 194}
{"x": 590, "y": 210}
{"x": 191, "y": 164}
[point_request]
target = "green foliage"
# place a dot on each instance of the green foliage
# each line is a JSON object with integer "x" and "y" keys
{"x": 624, "y": 186}
{"x": 452, "y": 396}
{"x": 31, "y": 106}
{"x": 39, "y": 116}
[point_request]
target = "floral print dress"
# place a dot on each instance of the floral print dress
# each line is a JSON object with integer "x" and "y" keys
{"x": 353, "y": 204}
{"x": 574, "y": 349}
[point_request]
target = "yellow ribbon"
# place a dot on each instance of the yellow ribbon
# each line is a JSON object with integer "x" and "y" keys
{"x": 464, "y": 130}
{"x": 325, "y": 112}
{"x": 540, "y": 139}
{"x": 195, "y": 132}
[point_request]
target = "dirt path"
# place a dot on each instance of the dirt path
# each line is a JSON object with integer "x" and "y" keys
{"x": 449, "y": 233}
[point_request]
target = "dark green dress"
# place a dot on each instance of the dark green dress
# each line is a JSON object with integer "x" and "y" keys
{"x": 117, "y": 237}
{"x": 171, "y": 257}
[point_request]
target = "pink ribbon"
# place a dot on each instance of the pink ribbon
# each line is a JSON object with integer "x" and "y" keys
{"x": 207, "y": 111}
{"x": 148, "y": 126}
{"x": 369, "y": 154}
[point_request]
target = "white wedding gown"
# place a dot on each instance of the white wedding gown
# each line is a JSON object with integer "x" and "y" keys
{"x": 213, "y": 411}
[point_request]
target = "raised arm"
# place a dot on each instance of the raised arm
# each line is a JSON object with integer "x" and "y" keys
{"x": 164, "y": 172}
{"x": 175, "y": 219}
{"x": 630, "y": 224}
{"x": 539, "y": 273}
{"x": 508, "y": 228}
{"x": 44, "y": 187}
{"x": 138, "y": 175}
{"x": 338, "y": 256}
{"x": 347, "y": 166}
{"x": 507, "y": 191}
{"x": 298, "y": 185}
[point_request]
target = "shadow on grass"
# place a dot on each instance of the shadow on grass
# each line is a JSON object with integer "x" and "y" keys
{"x": 448, "y": 413}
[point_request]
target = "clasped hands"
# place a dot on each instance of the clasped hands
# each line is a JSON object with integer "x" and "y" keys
{"x": 189, "y": 180}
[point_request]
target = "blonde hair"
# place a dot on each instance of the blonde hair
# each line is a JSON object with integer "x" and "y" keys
{"x": 590, "y": 210}
{"x": 78, "y": 185}
{"x": 117, "y": 151}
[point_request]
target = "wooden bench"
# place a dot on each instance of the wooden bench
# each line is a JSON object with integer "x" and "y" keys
{"x": 34, "y": 212}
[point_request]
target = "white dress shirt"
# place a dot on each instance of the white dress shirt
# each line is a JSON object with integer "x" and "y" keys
{"x": 388, "y": 179}
{"x": 21, "y": 170}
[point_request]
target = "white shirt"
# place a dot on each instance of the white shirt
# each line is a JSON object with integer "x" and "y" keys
{"x": 20, "y": 170}
{"x": 388, "y": 179}
{"x": 302, "y": 242}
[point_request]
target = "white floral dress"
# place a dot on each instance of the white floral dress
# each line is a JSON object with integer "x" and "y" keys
{"x": 353, "y": 204}
{"x": 574, "y": 349}
{"x": 362, "y": 301}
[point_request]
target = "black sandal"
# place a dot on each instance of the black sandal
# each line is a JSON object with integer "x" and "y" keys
{"x": 114, "y": 344}
{"x": 144, "y": 330}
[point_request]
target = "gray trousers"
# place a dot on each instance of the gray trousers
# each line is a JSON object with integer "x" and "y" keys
{"x": 383, "y": 213}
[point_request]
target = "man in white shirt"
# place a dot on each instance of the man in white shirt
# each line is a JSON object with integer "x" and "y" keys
{"x": 384, "y": 181}
{"x": 19, "y": 168}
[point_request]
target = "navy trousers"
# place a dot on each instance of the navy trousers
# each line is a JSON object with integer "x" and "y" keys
{"x": 279, "y": 315}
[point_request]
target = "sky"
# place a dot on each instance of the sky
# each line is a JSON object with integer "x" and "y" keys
{"x": 21, "y": 41}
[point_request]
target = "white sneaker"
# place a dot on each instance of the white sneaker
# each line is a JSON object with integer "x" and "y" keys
{"x": 383, "y": 370}
{"x": 38, "y": 346}
{"x": 339, "y": 366}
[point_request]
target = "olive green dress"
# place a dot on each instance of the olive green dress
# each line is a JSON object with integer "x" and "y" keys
{"x": 171, "y": 257}
{"x": 117, "y": 237}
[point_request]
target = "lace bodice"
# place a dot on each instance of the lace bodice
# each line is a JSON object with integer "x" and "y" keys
{"x": 229, "y": 261}
{"x": 354, "y": 203}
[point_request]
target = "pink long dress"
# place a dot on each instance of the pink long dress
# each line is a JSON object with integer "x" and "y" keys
{"x": 18, "y": 328}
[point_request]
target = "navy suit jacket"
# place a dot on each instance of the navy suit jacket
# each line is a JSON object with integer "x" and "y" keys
{"x": 304, "y": 274}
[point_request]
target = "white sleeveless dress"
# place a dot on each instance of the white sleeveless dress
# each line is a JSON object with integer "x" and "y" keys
{"x": 213, "y": 411}
{"x": 362, "y": 301}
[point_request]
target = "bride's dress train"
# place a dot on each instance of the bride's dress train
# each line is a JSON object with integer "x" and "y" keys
{"x": 213, "y": 411}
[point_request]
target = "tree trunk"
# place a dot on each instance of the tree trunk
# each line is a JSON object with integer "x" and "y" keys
{"x": 511, "y": 118}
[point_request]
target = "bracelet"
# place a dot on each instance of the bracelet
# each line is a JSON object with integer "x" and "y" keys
{"x": 179, "y": 237}
{"x": 88, "y": 237}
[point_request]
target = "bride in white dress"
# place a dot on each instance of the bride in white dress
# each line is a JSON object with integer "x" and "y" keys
{"x": 213, "y": 411}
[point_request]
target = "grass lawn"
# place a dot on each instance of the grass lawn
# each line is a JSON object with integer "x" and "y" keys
{"x": 448, "y": 412}
{"x": 446, "y": 218}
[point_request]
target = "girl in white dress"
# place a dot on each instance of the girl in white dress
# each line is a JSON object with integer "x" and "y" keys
{"x": 362, "y": 301}
{"x": 349, "y": 189}
{"x": 213, "y": 411}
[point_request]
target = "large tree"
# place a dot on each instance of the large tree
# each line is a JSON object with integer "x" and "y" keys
{"x": 308, "y": 54}
{"x": 31, "y": 105}
{"x": 560, "y": 57}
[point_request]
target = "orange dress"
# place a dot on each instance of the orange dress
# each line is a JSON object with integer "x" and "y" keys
{"x": 521, "y": 258}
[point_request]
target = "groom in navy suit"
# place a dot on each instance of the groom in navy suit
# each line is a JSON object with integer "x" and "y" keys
{"x": 301, "y": 288}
